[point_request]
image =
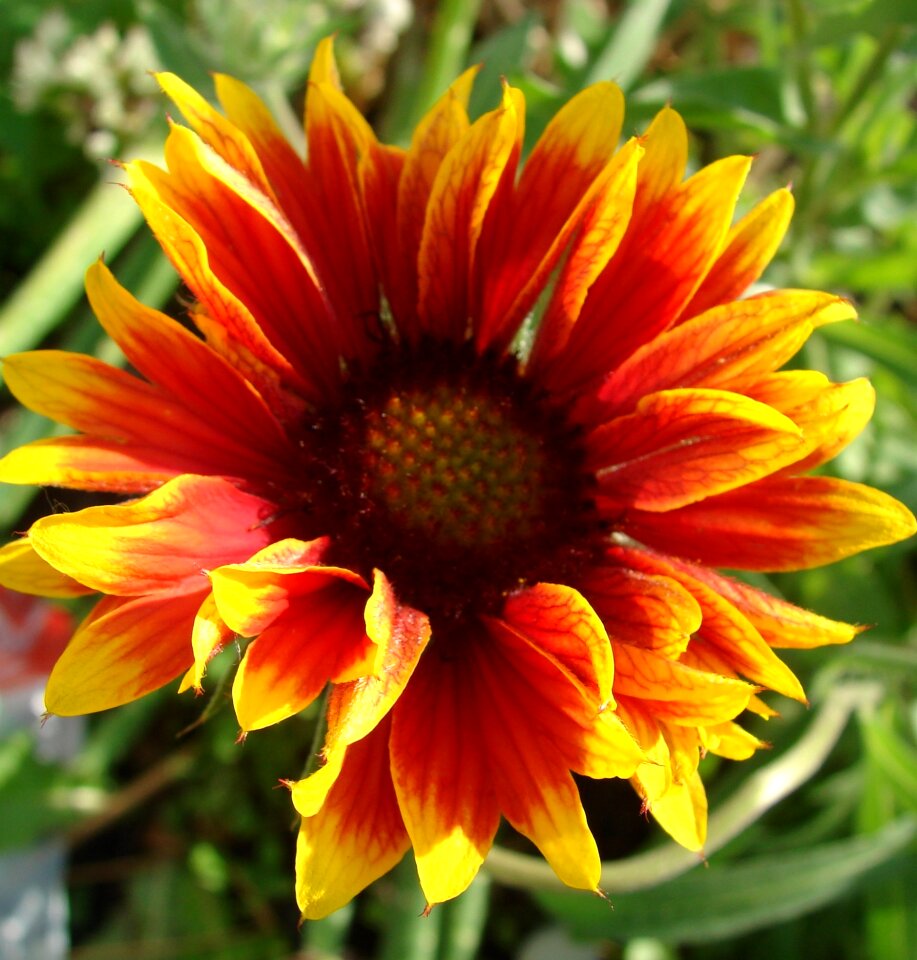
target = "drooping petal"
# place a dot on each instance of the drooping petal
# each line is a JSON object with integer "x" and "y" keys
{"x": 356, "y": 836}
{"x": 684, "y": 445}
{"x": 749, "y": 248}
{"x": 24, "y": 570}
{"x": 319, "y": 637}
{"x": 163, "y": 542}
{"x": 680, "y": 694}
{"x": 723, "y": 626}
{"x": 125, "y": 648}
{"x": 251, "y": 595}
{"x": 779, "y": 523}
{"x": 442, "y": 777}
{"x": 644, "y": 610}
{"x": 727, "y": 343}
{"x": 209, "y": 635}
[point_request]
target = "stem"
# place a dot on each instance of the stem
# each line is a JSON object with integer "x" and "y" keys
{"x": 762, "y": 790}
{"x": 407, "y": 934}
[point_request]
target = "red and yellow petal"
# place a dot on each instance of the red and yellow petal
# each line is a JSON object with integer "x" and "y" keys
{"x": 442, "y": 775}
{"x": 161, "y": 543}
{"x": 724, "y": 346}
{"x": 356, "y": 836}
{"x": 684, "y": 445}
{"x": 24, "y": 570}
{"x": 749, "y": 248}
{"x": 319, "y": 637}
{"x": 643, "y": 610}
{"x": 251, "y": 595}
{"x": 779, "y": 523}
{"x": 125, "y": 648}
{"x": 465, "y": 183}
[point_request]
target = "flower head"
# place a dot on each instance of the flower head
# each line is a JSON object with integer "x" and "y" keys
{"x": 465, "y": 438}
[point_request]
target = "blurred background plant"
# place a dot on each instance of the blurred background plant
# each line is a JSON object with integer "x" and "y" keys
{"x": 178, "y": 846}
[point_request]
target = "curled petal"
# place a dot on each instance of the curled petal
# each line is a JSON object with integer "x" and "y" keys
{"x": 24, "y": 570}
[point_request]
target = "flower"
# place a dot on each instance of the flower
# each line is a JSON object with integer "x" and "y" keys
{"x": 494, "y": 536}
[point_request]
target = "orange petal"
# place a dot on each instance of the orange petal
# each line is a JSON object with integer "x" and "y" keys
{"x": 465, "y": 184}
{"x": 688, "y": 444}
{"x": 244, "y": 343}
{"x": 644, "y": 610}
{"x": 163, "y": 542}
{"x": 779, "y": 523}
{"x": 665, "y": 254}
{"x": 680, "y": 694}
{"x": 558, "y": 622}
{"x": 535, "y": 790}
{"x": 830, "y": 415}
{"x": 595, "y": 244}
{"x": 565, "y": 173}
{"x": 442, "y": 777}
{"x": 96, "y": 398}
{"x": 187, "y": 369}
{"x": 252, "y": 595}
{"x": 125, "y": 648}
{"x": 749, "y": 248}
{"x": 356, "y": 837}
{"x": 318, "y": 637}
{"x": 433, "y": 138}
{"x": 25, "y": 571}
{"x": 356, "y": 708}
{"x": 734, "y": 341}
{"x": 723, "y": 626}
{"x": 781, "y": 624}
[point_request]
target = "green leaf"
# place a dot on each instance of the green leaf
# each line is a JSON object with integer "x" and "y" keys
{"x": 726, "y": 900}
{"x": 630, "y": 44}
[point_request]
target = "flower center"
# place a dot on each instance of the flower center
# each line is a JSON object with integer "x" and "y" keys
{"x": 455, "y": 477}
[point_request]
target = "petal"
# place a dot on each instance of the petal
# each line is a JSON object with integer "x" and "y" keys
{"x": 680, "y": 694}
{"x": 781, "y": 624}
{"x": 830, "y": 415}
{"x": 356, "y": 707}
{"x": 559, "y": 623}
{"x": 208, "y": 637}
{"x": 356, "y": 837}
{"x": 723, "y": 626}
{"x": 749, "y": 248}
{"x": 465, "y": 184}
{"x": 187, "y": 369}
{"x": 442, "y": 777}
{"x": 685, "y": 445}
{"x": 595, "y": 244}
{"x": 233, "y": 331}
{"x": 669, "y": 246}
{"x": 682, "y": 812}
{"x": 566, "y": 171}
{"x": 729, "y": 740}
{"x": 25, "y": 571}
{"x": 252, "y": 595}
{"x": 736, "y": 340}
{"x": 111, "y": 404}
{"x": 125, "y": 648}
{"x": 433, "y": 138}
{"x": 779, "y": 523}
{"x": 534, "y": 788}
{"x": 163, "y": 542}
{"x": 319, "y": 636}
{"x": 644, "y": 610}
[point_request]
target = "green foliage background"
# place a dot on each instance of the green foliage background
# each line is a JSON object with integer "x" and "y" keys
{"x": 186, "y": 851}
